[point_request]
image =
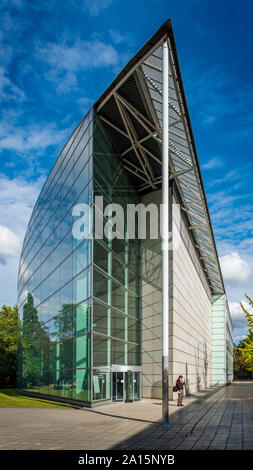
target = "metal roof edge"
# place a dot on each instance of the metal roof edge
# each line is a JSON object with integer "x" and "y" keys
{"x": 173, "y": 44}
{"x": 166, "y": 28}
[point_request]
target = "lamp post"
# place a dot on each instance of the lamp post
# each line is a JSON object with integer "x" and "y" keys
{"x": 165, "y": 234}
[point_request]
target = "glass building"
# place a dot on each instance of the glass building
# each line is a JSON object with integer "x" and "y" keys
{"x": 80, "y": 296}
{"x": 91, "y": 304}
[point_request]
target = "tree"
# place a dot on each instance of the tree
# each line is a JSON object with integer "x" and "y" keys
{"x": 247, "y": 349}
{"x": 9, "y": 332}
{"x": 29, "y": 345}
{"x": 249, "y": 316}
{"x": 240, "y": 363}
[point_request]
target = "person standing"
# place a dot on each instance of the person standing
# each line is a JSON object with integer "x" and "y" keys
{"x": 180, "y": 389}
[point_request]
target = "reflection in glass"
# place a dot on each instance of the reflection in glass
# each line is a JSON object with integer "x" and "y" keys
{"x": 129, "y": 382}
{"x": 118, "y": 386}
{"x": 79, "y": 297}
{"x": 100, "y": 351}
{"x": 54, "y": 347}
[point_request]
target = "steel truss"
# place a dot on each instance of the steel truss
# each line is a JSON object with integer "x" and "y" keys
{"x": 183, "y": 161}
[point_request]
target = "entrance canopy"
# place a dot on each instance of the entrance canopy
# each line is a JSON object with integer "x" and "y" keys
{"x": 131, "y": 110}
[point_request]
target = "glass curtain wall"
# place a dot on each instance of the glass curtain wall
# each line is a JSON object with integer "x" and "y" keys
{"x": 54, "y": 287}
{"x": 79, "y": 298}
{"x": 116, "y": 269}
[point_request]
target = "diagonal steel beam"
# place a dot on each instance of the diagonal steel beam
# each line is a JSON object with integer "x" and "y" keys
{"x": 136, "y": 173}
{"x": 145, "y": 122}
{"x": 132, "y": 137}
{"x": 113, "y": 126}
{"x": 126, "y": 76}
{"x": 181, "y": 172}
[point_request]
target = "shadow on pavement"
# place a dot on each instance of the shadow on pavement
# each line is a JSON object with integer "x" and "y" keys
{"x": 186, "y": 424}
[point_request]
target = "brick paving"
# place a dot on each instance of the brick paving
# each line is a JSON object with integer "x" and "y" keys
{"x": 215, "y": 419}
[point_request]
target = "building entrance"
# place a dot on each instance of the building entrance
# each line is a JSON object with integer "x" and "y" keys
{"x": 126, "y": 386}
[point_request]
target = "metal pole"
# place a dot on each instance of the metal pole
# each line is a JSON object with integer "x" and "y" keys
{"x": 165, "y": 233}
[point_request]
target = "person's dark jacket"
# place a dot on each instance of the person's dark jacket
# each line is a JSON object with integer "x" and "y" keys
{"x": 179, "y": 384}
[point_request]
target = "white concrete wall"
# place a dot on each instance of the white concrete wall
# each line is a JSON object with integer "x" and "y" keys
{"x": 190, "y": 313}
{"x": 151, "y": 305}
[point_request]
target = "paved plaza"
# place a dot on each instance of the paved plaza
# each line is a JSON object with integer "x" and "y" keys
{"x": 218, "y": 418}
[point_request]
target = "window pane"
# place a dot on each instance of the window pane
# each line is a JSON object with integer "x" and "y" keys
{"x": 101, "y": 254}
{"x": 118, "y": 324}
{"x": 101, "y": 385}
{"x": 82, "y": 256}
{"x": 66, "y": 354}
{"x": 81, "y": 352}
{"x": 118, "y": 352}
{"x": 81, "y": 385}
{"x": 63, "y": 324}
{"x": 118, "y": 296}
{"x": 81, "y": 318}
{"x": 133, "y": 355}
{"x": 100, "y": 351}
{"x": 82, "y": 286}
{"x": 100, "y": 317}
{"x": 133, "y": 305}
{"x": 133, "y": 330}
{"x": 100, "y": 286}
{"x": 119, "y": 270}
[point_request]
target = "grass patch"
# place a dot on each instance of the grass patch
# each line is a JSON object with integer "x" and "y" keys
{"x": 9, "y": 397}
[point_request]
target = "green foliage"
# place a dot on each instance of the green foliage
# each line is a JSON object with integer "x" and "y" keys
{"x": 29, "y": 345}
{"x": 240, "y": 363}
{"x": 246, "y": 348}
{"x": 9, "y": 332}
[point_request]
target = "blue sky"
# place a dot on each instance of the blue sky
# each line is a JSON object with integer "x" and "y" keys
{"x": 57, "y": 57}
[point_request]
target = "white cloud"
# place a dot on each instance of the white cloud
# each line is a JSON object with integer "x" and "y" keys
{"x": 65, "y": 81}
{"x": 8, "y": 282}
{"x": 16, "y": 3}
{"x": 217, "y": 82}
{"x": 209, "y": 119}
{"x": 9, "y": 91}
{"x": 6, "y": 51}
{"x": 27, "y": 138}
{"x": 85, "y": 103}
{"x": 94, "y": 7}
{"x": 69, "y": 62}
{"x": 215, "y": 162}
{"x": 231, "y": 176}
{"x": 65, "y": 61}
{"x": 239, "y": 338}
{"x": 234, "y": 268}
{"x": 81, "y": 55}
{"x": 238, "y": 315}
{"x": 119, "y": 38}
{"x": 9, "y": 244}
{"x": 232, "y": 217}
{"x": 17, "y": 197}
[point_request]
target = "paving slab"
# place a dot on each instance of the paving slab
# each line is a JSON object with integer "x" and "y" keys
{"x": 217, "y": 418}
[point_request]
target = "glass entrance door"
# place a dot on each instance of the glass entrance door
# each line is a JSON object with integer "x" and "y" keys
{"x": 129, "y": 386}
{"x": 118, "y": 386}
{"x": 136, "y": 387}
{"x": 126, "y": 386}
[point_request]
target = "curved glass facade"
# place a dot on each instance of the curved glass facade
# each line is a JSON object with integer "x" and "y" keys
{"x": 80, "y": 291}
{"x": 78, "y": 297}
